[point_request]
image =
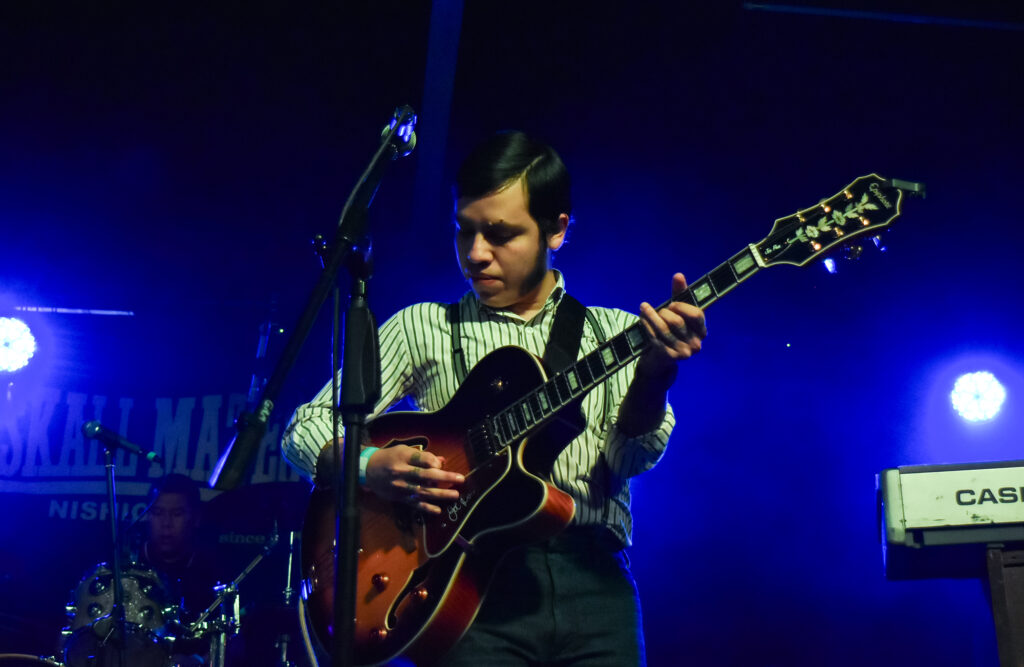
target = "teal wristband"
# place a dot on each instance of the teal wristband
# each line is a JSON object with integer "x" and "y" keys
{"x": 364, "y": 460}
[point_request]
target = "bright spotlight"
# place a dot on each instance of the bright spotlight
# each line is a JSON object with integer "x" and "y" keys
{"x": 978, "y": 396}
{"x": 17, "y": 344}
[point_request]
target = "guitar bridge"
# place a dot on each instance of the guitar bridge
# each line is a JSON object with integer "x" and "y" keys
{"x": 481, "y": 439}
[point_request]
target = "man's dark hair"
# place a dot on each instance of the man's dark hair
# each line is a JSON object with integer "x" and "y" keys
{"x": 505, "y": 157}
{"x": 180, "y": 484}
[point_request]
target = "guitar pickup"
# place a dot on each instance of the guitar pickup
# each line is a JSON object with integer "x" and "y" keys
{"x": 481, "y": 439}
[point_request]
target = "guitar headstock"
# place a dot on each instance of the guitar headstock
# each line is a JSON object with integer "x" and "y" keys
{"x": 863, "y": 207}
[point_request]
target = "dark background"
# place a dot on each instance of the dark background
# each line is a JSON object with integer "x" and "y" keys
{"x": 175, "y": 160}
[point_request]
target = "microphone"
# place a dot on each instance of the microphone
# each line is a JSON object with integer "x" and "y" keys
{"x": 97, "y": 431}
{"x": 404, "y": 137}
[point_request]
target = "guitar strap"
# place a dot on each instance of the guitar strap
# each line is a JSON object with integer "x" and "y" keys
{"x": 566, "y": 332}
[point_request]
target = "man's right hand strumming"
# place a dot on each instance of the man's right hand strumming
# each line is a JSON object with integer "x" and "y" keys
{"x": 403, "y": 474}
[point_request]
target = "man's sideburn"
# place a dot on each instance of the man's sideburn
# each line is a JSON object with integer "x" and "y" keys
{"x": 540, "y": 267}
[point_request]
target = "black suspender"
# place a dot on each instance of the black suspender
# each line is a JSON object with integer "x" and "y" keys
{"x": 458, "y": 356}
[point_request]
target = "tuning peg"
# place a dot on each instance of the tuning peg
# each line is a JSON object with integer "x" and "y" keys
{"x": 830, "y": 264}
{"x": 877, "y": 240}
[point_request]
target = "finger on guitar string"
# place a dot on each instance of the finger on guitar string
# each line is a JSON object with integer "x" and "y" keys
{"x": 428, "y": 491}
{"x": 419, "y": 496}
{"x": 659, "y": 326}
{"x": 679, "y": 331}
{"x": 431, "y": 476}
{"x": 692, "y": 322}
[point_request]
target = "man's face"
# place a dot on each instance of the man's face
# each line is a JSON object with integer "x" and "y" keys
{"x": 172, "y": 525}
{"x": 499, "y": 245}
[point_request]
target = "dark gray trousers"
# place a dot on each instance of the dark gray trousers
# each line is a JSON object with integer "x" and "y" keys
{"x": 568, "y": 601}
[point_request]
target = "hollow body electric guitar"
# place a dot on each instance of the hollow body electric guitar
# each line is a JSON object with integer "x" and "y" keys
{"x": 420, "y": 577}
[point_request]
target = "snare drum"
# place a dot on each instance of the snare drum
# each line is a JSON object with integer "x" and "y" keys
{"x": 90, "y": 637}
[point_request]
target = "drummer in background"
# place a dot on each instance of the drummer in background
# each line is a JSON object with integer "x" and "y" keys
{"x": 173, "y": 547}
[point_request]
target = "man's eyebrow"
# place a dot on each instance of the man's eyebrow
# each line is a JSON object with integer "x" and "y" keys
{"x": 487, "y": 224}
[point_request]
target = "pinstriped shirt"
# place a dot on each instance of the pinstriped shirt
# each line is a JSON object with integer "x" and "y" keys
{"x": 416, "y": 361}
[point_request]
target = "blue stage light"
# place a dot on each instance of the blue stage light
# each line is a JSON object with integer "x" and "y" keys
{"x": 17, "y": 344}
{"x": 977, "y": 396}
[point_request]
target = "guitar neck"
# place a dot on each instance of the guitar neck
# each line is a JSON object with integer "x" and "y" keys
{"x": 536, "y": 408}
{"x": 867, "y": 204}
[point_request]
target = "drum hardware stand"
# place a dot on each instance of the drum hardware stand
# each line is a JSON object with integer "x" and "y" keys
{"x": 111, "y": 441}
{"x": 227, "y": 623}
{"x": 288, "y": 594}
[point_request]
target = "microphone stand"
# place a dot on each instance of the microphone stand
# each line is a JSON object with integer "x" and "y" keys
{"x": 118, "y": 630}
{"x": 356, "y": 399}
{"x": 359, "y": 392}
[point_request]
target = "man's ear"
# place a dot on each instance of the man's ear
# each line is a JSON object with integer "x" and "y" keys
{"x": 556, "y": 240}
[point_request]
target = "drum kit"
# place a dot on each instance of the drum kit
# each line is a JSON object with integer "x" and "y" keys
{"x": 158, "y": 631}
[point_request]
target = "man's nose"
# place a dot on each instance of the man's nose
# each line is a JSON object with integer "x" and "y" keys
{"x": 479, "y": 251}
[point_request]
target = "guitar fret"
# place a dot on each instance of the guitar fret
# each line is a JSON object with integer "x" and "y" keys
{"x": 517, "y": 410}
{"x": 544, "y": 395}
{"x": 574, "y": 381}
{"x": 499, "y": 427}
{"x": 722, "y": 279}
{"x": 510, "y": 424}
{"x": 622, "y": 350}
{"x": 596, "y": 364}
{"x": 743, "y": 263}
{"x": 686, "y": 297}
{"x": 564, "y": 393}
{"x": 535, "y": 407}
{"x": 517, "y": 418}
{"x": 528, "y": 419}
{"x": 583, "y": 371}
{"x": 703, "y": 291}
{"x": 551, "y": 393}
{"x": 635, "y": 337}
{"x": 608, "y": 356}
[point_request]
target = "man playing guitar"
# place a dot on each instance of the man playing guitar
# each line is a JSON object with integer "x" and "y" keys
{"x": 569, "y": 599}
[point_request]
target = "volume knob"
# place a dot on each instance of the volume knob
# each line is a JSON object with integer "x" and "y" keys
{"x": 380, "y": 581}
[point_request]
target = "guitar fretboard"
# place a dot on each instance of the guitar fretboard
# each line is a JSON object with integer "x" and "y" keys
{"x": 529, "y": 413}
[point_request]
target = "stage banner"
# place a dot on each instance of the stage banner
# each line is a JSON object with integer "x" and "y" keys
{"x": 54, "y": 513}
